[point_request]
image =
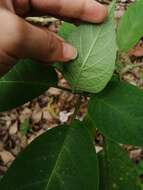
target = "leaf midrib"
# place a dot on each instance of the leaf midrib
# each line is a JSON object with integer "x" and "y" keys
{"x": 58, "y": 158}
{"x": 87, "y": 56}
{"x": 91, "y": 48}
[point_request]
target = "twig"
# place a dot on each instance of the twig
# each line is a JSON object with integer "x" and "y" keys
{"x": 65, "y": 89}
{"x": 71, "y": 91}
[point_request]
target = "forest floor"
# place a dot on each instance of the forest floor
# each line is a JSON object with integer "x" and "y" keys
{"x": 22, "y": 125}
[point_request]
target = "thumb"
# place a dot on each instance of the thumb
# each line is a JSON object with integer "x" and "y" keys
{"x": 44, "y": 45}
{"x": 20, "y": 39}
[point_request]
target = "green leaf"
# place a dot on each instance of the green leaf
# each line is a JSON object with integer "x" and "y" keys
{"x": 24, "y": 82}
{"x": 95, "y": 64}
{"x": 140, "y": 168}
{"x": 118, "y": 113}
{"x": 66, "y": 29}
{"x": 63, "y": 158}
{"x": 130, "y": 28}
{"x": 24, "y": 127}
{"x": 90, "y": 125}
{"x": 117, "y": 172}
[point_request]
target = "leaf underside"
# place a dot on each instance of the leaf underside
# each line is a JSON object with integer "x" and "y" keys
{"x": 96, "y": 45}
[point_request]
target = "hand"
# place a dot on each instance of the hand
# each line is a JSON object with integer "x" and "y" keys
{"x": 137, "y": 51}
{"x": 20, "y": 39}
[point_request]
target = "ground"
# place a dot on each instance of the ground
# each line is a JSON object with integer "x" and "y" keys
{"x": 22, "y": 125}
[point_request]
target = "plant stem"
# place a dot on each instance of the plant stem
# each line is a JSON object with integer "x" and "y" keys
{"x": 75, "y": 93}
{"x": 65, "y": 89}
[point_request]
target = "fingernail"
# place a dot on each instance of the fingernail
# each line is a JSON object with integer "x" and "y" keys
{"x": 69, "y": 52}
{"x": 96, "y": 12}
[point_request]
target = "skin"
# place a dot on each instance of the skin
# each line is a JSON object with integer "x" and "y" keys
{"x": 137, "y": 51}
{"x": 20, "y": 39}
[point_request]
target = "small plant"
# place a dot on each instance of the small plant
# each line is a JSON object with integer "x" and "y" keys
{"x": 65, "y": 157}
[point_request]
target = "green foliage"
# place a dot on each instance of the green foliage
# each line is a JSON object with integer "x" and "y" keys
{"x": 24, "y": 82}
{"x": 65, "y": 157}
{"x": 118, "y": 112}
{"x": 117, "y": 172}
{"x": 24, "y": 127}
{"x": 96, "y": 45}
{"x": 0, "y": 177}
{"x": 130, "y": 28}
{"x": 66, "y": 29}
{"x": 140, "y": 168}
{"x": 90, "y": 125}
{"x": 62, "y": 158}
